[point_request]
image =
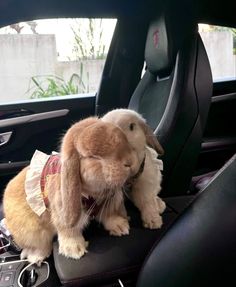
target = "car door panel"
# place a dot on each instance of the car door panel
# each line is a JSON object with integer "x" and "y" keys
{"x": 33, "y": 118}
{"x": 37, "y": 125}
{"x": 219, "y": 142}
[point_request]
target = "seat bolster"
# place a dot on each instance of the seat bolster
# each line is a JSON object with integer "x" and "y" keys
{"x": 200, "y": 247}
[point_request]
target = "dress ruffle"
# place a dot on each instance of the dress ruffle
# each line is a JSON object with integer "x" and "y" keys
{"x": 32, "y": 183}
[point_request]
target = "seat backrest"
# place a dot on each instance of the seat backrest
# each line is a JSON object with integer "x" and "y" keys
{"x": 199, "y": 249}
{"x": 174, "y": 96}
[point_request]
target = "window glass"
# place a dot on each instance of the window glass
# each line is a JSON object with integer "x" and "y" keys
{"x": 56, "y": 57}
{"x": 220, "y": 44}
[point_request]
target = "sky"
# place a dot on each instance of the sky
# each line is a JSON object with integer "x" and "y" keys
{"x": 64, "y": 34}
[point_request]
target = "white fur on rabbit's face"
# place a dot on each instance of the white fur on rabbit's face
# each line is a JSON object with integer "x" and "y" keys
{"x": 131, "y": 123}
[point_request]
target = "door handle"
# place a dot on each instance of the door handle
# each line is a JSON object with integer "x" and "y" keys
{"x": 4, "y": 138}
{"x": 33, "y": 118}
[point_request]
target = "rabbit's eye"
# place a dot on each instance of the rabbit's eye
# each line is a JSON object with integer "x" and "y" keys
{"x": 131, "y": 126}
{"x": 94, "y": 157}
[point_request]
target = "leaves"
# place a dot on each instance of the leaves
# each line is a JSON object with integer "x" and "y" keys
{"x": 52, "y": 86}
{"x": 88, "y": 39}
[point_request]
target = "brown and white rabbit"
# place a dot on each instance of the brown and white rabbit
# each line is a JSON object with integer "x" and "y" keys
{"x": 95, "y": 161}
{"x": 147, "y": 185}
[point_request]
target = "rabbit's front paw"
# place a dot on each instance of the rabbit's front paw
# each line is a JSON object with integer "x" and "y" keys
{"x": 117, "y": 225}
{"x": 36, "y": 256}
{"x": 151, "y": 220}
{"x": 73, "y": 247}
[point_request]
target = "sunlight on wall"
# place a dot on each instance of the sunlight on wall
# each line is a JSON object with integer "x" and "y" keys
{"x": 63, "y": 31}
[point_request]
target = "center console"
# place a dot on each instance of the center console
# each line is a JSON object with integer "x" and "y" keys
{"x": 15, "y": 272}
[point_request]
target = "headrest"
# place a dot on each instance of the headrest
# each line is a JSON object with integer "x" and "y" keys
{"x": 164, "y": 39}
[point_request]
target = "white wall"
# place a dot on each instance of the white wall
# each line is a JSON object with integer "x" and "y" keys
{"x": 219, "y": 46}
{"x": 21, "y": 57}
{"x": 24, "y": 56}
{"x": 91, "y": 72}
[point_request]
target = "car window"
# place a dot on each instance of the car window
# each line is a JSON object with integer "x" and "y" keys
{"x": 220, "y": 44}
{"x": 53, "y": 58}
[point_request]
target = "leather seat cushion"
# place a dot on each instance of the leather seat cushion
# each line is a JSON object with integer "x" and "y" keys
{"x": 109, "y": 257}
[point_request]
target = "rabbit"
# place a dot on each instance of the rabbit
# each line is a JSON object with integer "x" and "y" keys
{"x": 95, "y": 161}
{"x": 147, "y": 185}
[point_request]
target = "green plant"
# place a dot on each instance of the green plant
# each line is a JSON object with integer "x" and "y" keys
{"x": 51, "y": 86}
{"x": 233, "y": 30}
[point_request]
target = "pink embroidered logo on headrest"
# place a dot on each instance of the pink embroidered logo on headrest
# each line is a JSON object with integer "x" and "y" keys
{"x": 156, "y": 38}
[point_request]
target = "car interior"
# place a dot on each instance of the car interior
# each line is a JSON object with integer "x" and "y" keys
{"x": 158, "y": 65}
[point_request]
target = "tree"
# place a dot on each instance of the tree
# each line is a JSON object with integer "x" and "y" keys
{"x": 233, "y": 30}
{"x": 17, "y": 27}
{"x": 88, "y": 39}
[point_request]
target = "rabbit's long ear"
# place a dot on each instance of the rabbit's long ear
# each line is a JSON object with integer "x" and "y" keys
{"x": 71, "y": 185}
{"x": 70, "y": 182}
{"x": 151, "y": 138}
{"x": 71, "y": 190}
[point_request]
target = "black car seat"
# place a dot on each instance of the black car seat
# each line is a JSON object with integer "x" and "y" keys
{"x": 200, "y": 247}
{"x": 174, "y": 96}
